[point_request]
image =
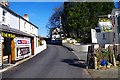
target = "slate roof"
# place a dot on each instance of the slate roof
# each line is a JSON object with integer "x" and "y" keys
{"x": 15, "y": 31}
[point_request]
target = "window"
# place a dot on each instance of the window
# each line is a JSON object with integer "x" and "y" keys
{"x": 4, "y": 13}
{"x": 98, "y": 30}
{"x": 104, "y": 36}
{"x": 3, "y": 18}
{"x": 118, "y": 20}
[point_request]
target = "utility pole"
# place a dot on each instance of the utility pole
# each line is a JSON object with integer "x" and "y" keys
{"x": 60, "y": 28}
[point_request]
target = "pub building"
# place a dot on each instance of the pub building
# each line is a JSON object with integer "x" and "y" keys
{"x": 18, "y": 36}
{"x": 16, "y": 45}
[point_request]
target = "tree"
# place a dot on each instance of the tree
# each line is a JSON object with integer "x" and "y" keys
{"x": 54, "y": 20}
{"x": 79, "y": 17}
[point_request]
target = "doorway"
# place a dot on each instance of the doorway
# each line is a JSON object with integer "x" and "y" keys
{"x": 7, "y": 50}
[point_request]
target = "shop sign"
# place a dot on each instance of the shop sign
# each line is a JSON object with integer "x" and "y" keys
{"x": 106, "y": 27}
{"x": 23, "y": 47}
{"x": 22, "y": 42}
{"x": 8, "y": 35}
{"x": 104, "y": 20}
{"x": 21, "y": 51}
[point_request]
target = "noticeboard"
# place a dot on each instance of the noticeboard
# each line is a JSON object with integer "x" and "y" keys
{"x": 23, "y": 47}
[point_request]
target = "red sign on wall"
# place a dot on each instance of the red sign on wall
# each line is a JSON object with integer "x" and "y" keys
{"x": 22, "y": 42}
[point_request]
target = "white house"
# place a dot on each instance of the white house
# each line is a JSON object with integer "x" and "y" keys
{"x": 57, "y": 33}
{"x": 18, "y": 36}
{"x": 103, "y": 34}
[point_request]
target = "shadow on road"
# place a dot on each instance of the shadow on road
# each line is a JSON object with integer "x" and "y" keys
{"x": 75, "y": 62}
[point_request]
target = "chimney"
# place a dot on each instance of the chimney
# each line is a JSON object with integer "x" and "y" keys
{"x": 4, "y": 2}
{"x": 26, "y": 17}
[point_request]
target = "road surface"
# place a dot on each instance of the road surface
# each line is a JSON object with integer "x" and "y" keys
{"x": 54, "y": 62}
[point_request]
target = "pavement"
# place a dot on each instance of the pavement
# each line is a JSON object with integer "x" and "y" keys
{"x": 107, "y": 73}
{"x": 113, "y": 72}
{"x": 6, "y": 67}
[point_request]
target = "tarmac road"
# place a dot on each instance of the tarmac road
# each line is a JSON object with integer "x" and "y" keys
{"x": 54, "y": 62}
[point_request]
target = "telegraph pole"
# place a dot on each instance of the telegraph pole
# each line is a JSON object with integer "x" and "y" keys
{"x": 60, "y": 28}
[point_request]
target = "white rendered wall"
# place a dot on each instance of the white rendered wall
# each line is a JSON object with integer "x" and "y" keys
{"x": 1, "y": 12}
{"x": 14, "y": 21}
{"x": 108, "y": 38}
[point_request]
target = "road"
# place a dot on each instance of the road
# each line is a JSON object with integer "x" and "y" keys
{"x": 54, "y": 62}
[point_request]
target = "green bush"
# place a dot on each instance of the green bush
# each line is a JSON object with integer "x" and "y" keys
{"x": 102, "y": 54}
{"x": 78, "y": 40}
{"x": 39, "y": 42}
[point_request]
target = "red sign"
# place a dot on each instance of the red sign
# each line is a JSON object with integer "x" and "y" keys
{"x": 22, "y": 42}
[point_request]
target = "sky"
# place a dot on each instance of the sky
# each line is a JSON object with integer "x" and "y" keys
{"x": 38, "y": 12}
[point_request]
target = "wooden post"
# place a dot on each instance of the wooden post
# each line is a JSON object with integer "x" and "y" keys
{"x": 32, "y": 46}
{"x": 114, "y": 60}
{"x": 95, "y": 58}
{"x": 110, "y": 54}
{"x": 10, "y": 58}
{"x": 112, "y": 57}
{"x": 12, "y": 51}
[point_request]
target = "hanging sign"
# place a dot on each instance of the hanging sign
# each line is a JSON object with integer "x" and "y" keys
{"x": 105, "y": 25}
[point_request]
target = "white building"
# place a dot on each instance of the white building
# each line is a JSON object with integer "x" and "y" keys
{"x": 19, "y": 37}
{"x": 115, "y": 16}
{"x": 103, "y": 34}
{"x": 57, "y": 34}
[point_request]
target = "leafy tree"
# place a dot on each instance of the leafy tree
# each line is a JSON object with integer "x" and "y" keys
{"x": 79, "y": 17}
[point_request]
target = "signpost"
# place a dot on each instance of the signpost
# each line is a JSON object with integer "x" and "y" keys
{"x": 105, "y": 25}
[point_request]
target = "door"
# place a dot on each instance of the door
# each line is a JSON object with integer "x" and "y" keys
{"x": 7, "y": 50}
{"x": 32, "y": 46}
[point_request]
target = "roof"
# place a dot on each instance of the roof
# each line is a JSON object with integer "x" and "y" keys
{"x": 114, "y": 10}
{"x": 103, "y": 16}
{"x": 15, "y": 14}
{"x": 12, "y": 30}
